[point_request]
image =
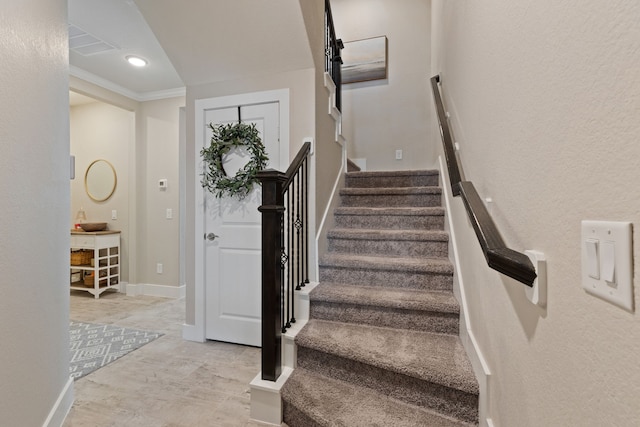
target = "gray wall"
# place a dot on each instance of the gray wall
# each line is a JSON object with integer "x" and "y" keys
{"x": 34, "y": 166}
{"x": 544, "y": 100}
{"x": 382, "y": 116}
{"x": 141, "y": 139}
{"x": 102, "y": 131}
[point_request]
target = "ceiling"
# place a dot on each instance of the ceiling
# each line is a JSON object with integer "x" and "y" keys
{"x": 120, "y": 25}
{"x": 185, "y": 43}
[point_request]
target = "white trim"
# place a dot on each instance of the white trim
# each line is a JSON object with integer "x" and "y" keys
{"x": 331, "y": 89}
{"x": 193, "y": 333}
{"x": 122, "y": 288}
{"x": 61, "y": 408}
{"x": 163, "y": 94}
{"x": 280, "y": 96}
{"x": 334, "y": 113}
{"x": 301, "y": 308}
{"x": 266, "y": 403}
{"x": 114, "y": 87}
{"x": 469, "y": 342}
{"x": 163, "y": 291}
{"x": 328, "y": 210}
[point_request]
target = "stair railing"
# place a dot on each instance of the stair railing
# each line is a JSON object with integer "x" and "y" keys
{"x": 499, "y": 257}
{"x": 285, "y": 253}
{"x": 332, "y": 52}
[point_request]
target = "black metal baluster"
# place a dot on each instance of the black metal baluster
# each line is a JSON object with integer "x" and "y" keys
{"x": 294, "y": 267}
{"x": 299, "y": 265}
{"x": 305, "y": 224}
{"x": 283, "y": 262}
{"x": 282, "y": 192}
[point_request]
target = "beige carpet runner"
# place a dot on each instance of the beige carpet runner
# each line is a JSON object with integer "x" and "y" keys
{"x": 382, "y": 347}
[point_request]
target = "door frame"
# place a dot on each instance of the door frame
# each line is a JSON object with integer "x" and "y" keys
{"x": 197, "y": 331}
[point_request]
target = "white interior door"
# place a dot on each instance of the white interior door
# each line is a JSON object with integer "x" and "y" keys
{"x": 233, "y": 259}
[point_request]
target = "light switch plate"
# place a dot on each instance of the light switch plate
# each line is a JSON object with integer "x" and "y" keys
{"x": 616, "y": 235}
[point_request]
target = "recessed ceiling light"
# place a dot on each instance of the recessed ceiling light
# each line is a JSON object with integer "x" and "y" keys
{"x": 136, "y": 61}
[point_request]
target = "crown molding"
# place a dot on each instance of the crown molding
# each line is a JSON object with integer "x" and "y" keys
{"x": 113, "y": 87}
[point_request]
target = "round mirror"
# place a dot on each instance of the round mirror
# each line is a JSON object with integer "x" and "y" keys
{"x": 100, "y": 180}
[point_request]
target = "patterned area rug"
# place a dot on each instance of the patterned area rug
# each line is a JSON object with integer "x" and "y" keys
{"x": 94, "y": 346}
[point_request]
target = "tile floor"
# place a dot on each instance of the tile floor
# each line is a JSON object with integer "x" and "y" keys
{"x": 169, "y": 382}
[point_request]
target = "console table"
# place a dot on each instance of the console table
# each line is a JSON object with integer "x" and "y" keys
{"x": 99, "y": 268}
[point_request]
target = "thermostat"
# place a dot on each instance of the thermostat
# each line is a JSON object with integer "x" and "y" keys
{"x": 162, "y": 184}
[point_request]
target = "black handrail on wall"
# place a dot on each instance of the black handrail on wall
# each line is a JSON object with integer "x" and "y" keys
{"x": 285, "y": 254}
{"x": 332, "y": 52}
{"x": 499, "y": 257}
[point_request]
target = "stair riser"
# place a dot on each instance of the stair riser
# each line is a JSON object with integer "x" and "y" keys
{"x": 443, "y": 323}
{"x": 389, "y": 222}
{"x": 294, "y": 417}
{"x": 401, "y": 279}
{"x": 397, "y": 200}
{"x": 392, "y": 181}
{"x": 389, "y": 247}
{"x": 435, "y": 397}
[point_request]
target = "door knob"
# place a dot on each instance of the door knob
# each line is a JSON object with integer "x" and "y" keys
{"x": 212, "y": 236}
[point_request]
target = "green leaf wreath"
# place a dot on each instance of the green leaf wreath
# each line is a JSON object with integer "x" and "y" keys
{"x": 224, "y": 138}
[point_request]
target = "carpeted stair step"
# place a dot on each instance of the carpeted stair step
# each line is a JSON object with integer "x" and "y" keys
{"x": 313, "y": 400}
{"x": 433, "y": 244}
{"x": 419, "y": 178}
{"x": 407, "y": 218}
{"x": 424, "y": 369}
{"x": 403, "y": 272}
{"x": 393, "y": 196}
{"x": 427, "y": 311}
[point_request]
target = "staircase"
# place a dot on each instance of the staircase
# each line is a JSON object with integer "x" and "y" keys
{"x": 381, "y": 347}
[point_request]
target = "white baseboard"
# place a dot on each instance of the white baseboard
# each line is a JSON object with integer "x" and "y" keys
{"x": 469, "y": 342}
{"x": 301, "y": 307}
{"x": 62, "y": 406}
{"x": 266, "y": 403}
{"x": 163, "y": 291}
{"x": 301, "y": 302}
{"x": 327, "y": 220}
{"x": 193, "y": 333}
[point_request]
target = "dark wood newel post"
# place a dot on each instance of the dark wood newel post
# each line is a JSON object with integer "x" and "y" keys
{"x": 272, "y": 213}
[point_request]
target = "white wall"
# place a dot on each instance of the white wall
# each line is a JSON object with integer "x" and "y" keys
{"x": 102, "y": 131}
{"x": 545, "y": 101}
{"x": 34, "y": 189}
{"x": 382, "y": 116}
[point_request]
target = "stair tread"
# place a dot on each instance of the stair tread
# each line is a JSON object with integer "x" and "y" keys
{"x": 331, "y": 402}
{"x": 399, "y": 298}
{"x": 388, "y": 263}
{"x": 369, "y": 174}
{"x": 385, "y": 191}
{"x": 436, "y": 358}
{"x": 399, "y": 211}
{"x": 385, "y": 234}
